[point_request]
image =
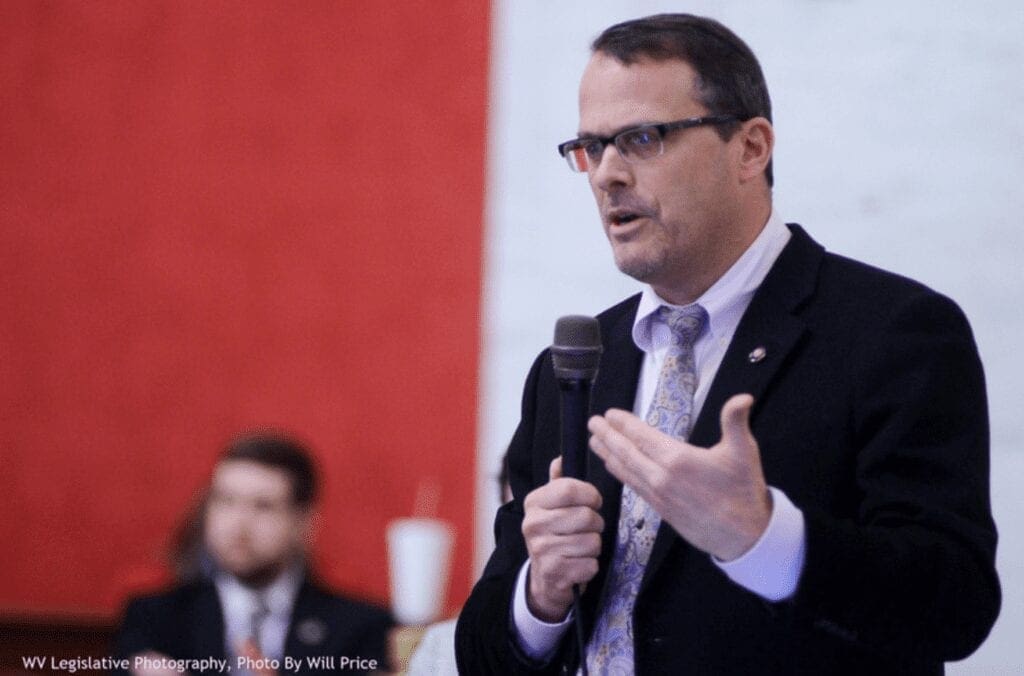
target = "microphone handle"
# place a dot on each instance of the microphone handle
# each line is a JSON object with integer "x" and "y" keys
{"x": 575, "y": 400}
{"x": 575, "y": 406}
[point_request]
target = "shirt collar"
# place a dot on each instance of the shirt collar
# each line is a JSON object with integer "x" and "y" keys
{"x": 279, "y": 595}
{"x": 726, "y": 299}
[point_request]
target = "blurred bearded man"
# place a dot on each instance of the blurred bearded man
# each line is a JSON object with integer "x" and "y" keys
{"x": 261, "y": 603}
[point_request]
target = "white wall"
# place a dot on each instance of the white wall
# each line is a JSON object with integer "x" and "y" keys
{"x": 900, "y": 143}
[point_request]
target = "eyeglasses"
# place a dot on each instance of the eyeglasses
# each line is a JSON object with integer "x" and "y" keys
{"x": 636, "y": 143}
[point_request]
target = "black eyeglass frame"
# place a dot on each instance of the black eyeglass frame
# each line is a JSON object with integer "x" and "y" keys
{"x": 662, "y": 129}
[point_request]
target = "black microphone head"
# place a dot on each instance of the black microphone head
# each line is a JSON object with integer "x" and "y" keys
{"x": 576, "y": 352}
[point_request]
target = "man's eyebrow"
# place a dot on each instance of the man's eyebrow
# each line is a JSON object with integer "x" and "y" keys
{"x": 635, "y": 125}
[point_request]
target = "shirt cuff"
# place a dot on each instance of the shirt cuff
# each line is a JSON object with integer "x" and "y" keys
{"x": 771, "y": 568}
{"x": 536, "y": 638}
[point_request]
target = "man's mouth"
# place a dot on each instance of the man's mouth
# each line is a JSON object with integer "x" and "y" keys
{"x": 623, "y": 217}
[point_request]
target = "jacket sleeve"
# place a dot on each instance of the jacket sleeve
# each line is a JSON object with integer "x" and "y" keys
{"x": 135, "y": 635}
{"x": 913, "y": 574}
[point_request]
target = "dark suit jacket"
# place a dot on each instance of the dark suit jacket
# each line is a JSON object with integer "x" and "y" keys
{"x": 870, "y": 415}
{"x": 187, "y": 623}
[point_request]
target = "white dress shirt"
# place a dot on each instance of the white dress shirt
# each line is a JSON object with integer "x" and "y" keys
{"x": 771, "y": 568}
{"x": 238, "y": 603}
{"x": 435, "y": 654}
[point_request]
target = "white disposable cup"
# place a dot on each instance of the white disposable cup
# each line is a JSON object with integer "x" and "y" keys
{"x": 419, "y": 554}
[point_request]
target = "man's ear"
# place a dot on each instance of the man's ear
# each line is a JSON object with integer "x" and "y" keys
{"x": 757, "y": 140}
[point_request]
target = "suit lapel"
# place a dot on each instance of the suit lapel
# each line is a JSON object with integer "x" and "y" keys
{"x": 615, "y": 387}
{"x": 308, "y": 631}
{"x": 208, "y": 625}
{"x": 767, "y": 334}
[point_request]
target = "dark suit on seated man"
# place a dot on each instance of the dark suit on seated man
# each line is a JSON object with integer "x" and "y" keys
{"x": 790, "y": 449}
{"x": 260, "y": 608}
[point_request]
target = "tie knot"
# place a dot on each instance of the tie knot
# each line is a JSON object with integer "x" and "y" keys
{"x": 259, "y": 605}
{"x": 686, "y": 322}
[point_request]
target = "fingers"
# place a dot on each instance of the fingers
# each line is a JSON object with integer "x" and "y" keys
{"x": 562, "y": 492}
{"x": 565, "y": 521}
{"x": 557, "y": 563}
{"x": 563, "y": 507}
{"x": 650, "y": 441}
{"x": 577, "y": 545}
{"x": 562, "y": 529}
{"x": 633, "y": 451}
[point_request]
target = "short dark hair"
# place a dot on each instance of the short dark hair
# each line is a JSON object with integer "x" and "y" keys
{"x": 281, "y": 451}
{"x": 728, "y": 74}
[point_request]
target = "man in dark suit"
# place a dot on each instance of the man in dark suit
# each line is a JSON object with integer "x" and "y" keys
{"x": 806, "y": 491}
{"x": 259, "y": 609}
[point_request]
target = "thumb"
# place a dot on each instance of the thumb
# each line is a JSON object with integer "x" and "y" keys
{"x": 555, "y": 469}
{"x": 736, "y": 421}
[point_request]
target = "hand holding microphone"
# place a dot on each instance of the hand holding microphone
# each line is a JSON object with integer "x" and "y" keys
{"x": 562, "y": 526}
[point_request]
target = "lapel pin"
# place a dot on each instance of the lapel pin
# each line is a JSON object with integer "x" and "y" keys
{"x": 757, "y": 354}
{"x": 311, "y": 631}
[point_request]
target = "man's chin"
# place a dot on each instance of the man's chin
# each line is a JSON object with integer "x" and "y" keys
{"x": 254, "y": 574}
{"x": 639, "y": 268}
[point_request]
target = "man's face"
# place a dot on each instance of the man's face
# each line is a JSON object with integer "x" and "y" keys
{"x": 668, "y": 218}
{"x": 253, "y": 528}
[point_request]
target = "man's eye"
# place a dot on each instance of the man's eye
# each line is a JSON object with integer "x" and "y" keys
{"x": 594, "y": 149}
{"x": 641, "y": 138}
{"x": 220, "y": 500}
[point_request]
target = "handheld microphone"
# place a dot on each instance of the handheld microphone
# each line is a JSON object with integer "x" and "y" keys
{"x": 576, "y": 354}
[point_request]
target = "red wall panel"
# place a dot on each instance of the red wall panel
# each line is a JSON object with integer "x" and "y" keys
{"x": 221, "y": 215}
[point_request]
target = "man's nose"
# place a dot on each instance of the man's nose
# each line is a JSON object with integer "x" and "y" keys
{"x": 612, "y": 170}
{"x": 241, "y": 516}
